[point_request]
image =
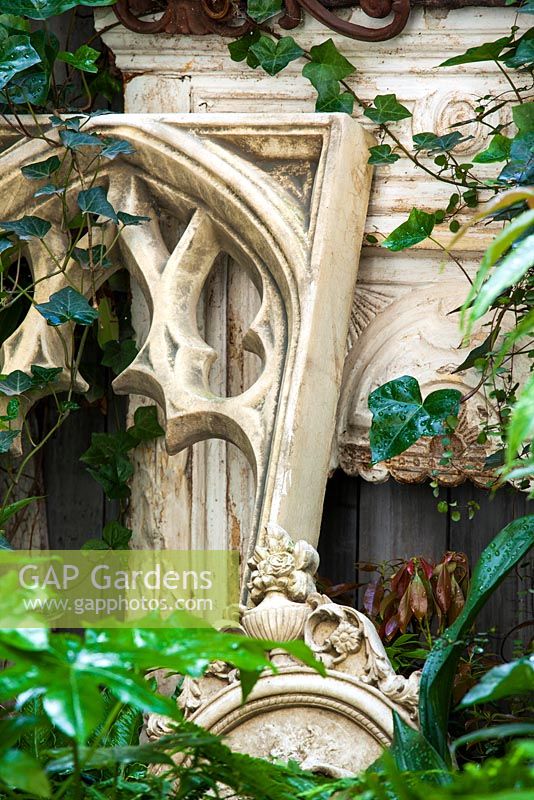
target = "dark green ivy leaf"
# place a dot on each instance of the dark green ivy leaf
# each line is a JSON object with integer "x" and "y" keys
{"x": 273, "y": 56}
{"x": 44, "y": 9}
{"x": 417, "y": 228}
{"x": 520, "y": 168}
{"x": 41, "y": 169}
{"x": 489, "y": 51}
{"x": 240, "y": 47}
{"x": 65, "y": 306}
{"x": 382, "y": 154}
{"x": 27, "y": 228}
{"x": 95, "y": 201}
{"x": 119, "y": 355}
{"x": 523, "y": 116}
{"x": 42, "y": 376}
{"x": 400, "y": 417}
{"x": 47, "y": 190}
{"x": 83, "y": 59}
{"x": 74, "y": 140}
{"x": 5, "y": 244}
{"x": 429, "y": 142}
{"x": 6, "y": 440}
{"x": 15, "y": 383}
{"x": 260, "y": 10}
{"x": 131, "y": 219}
{"x": 116, "y": 147}
{"x": 327, "y": 67}
{"x": 98, "y": 255}
{"x": 116, "y": 536}
{"x": 387, "y": 109}
{"x": 146, "y": 426}
{"x": 522, "y": 53}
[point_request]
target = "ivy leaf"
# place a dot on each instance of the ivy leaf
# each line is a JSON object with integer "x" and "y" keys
{"x": 116, "y": 536}
{"x": 44, "y": 9}
{"x": 41, "y": 169}
{"x": 520, "y": 168}
{"x": 497, "y": 150}
{"x": 97, "y": 253}
{"x": 15, "y": 383}
{"x": 6, "y": 440}
{"x": 95, "y": 201}
{"x": 119, "y": 355}
{"x": 67, "y": 305}
{"x": 47, "y": 190}
{"x": 327, "y": 64}
{"x": 260, "y": 10}
{"x": 523, "y": 52}
{"x": 74, "y": 140}
{"x": 382, "y": 154}
{"x": 116, "y": 147}
{"x": 489, "y": 51}
{"x": 16, "y": 54}
{"x": 417, "y": 228}
{"x": 12, "y": 411}
{"x": 146, "y": 426}
{"x": 523, "y": 116}
{"x": 83, "y": 59}
{"x": 273, "y": 56}
{"x": 27, "y": 228}
{"x": 400, "y": 417}
{"x": 429, "y": 142}
{"x": 331, "y": 99}
{"x": 43, "y": 376}
{"x": 113, "y": 477}
{"x": 240, "y": 47}
{"x": 131, "y": 219}
{"x": 387, "y": 109}
{"x": 5, "y": 244}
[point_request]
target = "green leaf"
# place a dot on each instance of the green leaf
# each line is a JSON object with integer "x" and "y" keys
{"x": 48, "y": 189}
{"x": 495, "y": 732}
{"x": 413, "y": 753}
{"x": 520, "y": 168}
{"x": 41, "y": 169}
{"x": 76, "y": 707}
{"x": 429, "y": 142}
{"x": 19, "y": 770}
{"x": 116, "y": 536}
{"x": 523, "y": 52}
{"x": 498, "y": 150}
{"x": 521, "y": 426}
{"x": 43, "y": 376}
{"x": 417, "y": 228}
{"x": 119, "y": 355}
{"x": 12, "y": 410}
{"x": 510, "y": 270}
{"x": 387, "y": 109}
{"x": 331, "y": 99}
{"x": 478, "y": 352}
{"x": 523, "y": 116}
{"x": 75, "y": 140}
{"x": 44, "y": 9}
{"x": 16, "y": 55}
{"x": 260, "y": 10}
{"x": 6, "y": 440}
{"x": 8, "y": 511}
{"x": 273, "y": 56}
{"x": 116, "y": 147}
{"x": 114, "y": 477}
{"x": 65, "y": 306}
{"x": 15, "y": 383}
{"x": 489, "y": 51}
{"x": 400, "y": 417}
{"x": 327, "y": 67}
{"x": 108, "y": 324}
{"x": 28, "y": 87}
{"x": 507, "y": 680}
{"x": 95, "y": 201}
{"x": 382, "y": 154}
{"x": 240, "y": 47}
{"x": 96, "y": 254}
{"x": 131, "y": 219}
{"x": 499, "y": 557}
{"x": 27, "y": 228}
{"x": 83, "y": 59}
{"x": 15, "y": 22}
{"x": 5, "y": 244}
{"x": 146, "y": 426}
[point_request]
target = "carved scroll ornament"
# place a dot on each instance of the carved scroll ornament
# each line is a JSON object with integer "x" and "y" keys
{"x": 286, "y": 199}
{"x": 287, "y": 714}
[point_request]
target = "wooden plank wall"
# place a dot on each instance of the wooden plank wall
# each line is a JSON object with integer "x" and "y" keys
{"x": 377, "y": 522}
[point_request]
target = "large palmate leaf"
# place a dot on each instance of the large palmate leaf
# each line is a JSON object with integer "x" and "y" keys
{"x": 499, "y": 557}
{"x": 401, "y": 417}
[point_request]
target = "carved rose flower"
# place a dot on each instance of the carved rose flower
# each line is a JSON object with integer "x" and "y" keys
{"x": 279, "y": 564}
{"x": 346, "y": 638}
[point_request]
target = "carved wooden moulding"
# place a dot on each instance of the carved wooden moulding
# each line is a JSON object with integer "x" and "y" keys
{"x": 286, "y": 199}
{"x": 287, "y": 714}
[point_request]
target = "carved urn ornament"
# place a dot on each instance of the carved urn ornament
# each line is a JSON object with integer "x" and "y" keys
{"x": 287, "y": 713}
